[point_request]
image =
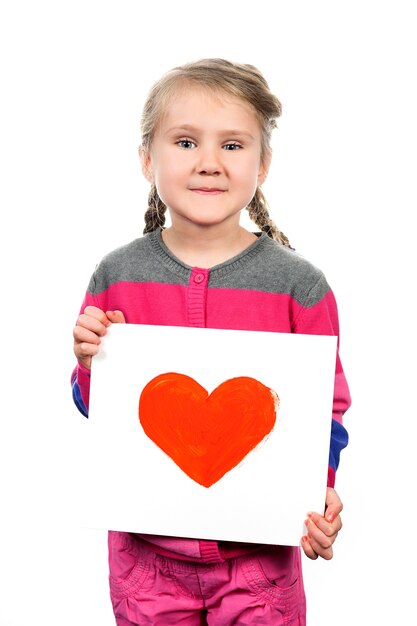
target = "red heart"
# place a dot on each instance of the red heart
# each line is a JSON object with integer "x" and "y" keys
{"x": 206, "y": 435}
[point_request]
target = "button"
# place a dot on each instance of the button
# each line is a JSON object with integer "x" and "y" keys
{"x": 198, "y": 278}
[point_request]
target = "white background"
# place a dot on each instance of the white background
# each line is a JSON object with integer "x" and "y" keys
{"x": 74, "y": 76}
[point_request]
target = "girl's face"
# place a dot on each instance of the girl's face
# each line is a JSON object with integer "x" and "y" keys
{"x": 205, "y": 158}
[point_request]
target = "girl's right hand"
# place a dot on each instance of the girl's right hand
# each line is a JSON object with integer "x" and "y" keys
{"x": 91, "y": 325}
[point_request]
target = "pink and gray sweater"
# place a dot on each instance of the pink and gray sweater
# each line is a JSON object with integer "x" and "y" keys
{"x": 267, "y": 287}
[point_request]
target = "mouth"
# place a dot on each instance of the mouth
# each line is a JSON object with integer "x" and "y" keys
{"x": 208, "y": 191}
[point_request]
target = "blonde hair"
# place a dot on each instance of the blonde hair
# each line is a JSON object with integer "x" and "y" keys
{"x": 239, "y": 80}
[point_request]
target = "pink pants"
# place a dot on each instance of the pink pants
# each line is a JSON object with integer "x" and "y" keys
{"x": 262, "y": 588}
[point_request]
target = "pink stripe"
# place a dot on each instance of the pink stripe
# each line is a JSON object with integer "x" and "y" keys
{"x": 244, "y": 309}
{"x": 341, "y": 398}
{"x": 145, "y": 303}
{"x": 83, "y": 380}
{"x": 158, "y": 303}
{"x": 331, "y": 477}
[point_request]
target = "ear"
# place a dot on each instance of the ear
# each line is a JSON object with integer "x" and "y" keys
{"x": 264, "y": 167}
{"x": 145, "y": 161}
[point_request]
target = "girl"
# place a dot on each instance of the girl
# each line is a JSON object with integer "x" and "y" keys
{"x": 205, "y": 150}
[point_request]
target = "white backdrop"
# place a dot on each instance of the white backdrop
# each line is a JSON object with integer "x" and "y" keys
{"x": 74, "y": 76}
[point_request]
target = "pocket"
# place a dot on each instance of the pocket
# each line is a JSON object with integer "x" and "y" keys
{"x": 128, "y": 569}
{"x": 275, "y": 578}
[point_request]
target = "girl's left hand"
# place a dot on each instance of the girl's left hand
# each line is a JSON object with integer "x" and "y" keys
{"x": 322, "y": 530}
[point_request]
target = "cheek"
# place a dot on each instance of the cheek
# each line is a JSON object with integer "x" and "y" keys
{"x": 166, "y": 181}
{"x": 250, "y": 166}
{"x": 169, "y": 171}
{"x": 248, "y": 174}
{"x": 169, "y": 180}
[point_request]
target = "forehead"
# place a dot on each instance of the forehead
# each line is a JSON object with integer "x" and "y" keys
{"x": 208, "y": 109}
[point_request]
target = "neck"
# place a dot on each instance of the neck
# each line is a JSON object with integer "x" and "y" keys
{"x": 206, "y": 246}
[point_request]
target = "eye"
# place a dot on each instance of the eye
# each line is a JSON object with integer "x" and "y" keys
{"x": 187, "y": 144}
{"x": 232, "y": 146}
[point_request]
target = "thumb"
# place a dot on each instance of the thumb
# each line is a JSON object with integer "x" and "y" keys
{"x": 334, "y": 505}
{"x": 116, "y": 317}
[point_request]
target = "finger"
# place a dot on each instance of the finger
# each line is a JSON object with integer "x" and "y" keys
{"x": 92, "y": 324}
{"x": 308, "y": 550}
{"x": 83, "y": 350}
{"x": 325, "y": 537}
{"x": 83, "y": 335}
{"x": 322, "y": 523}
{"x": 99, "y": 314}
{"x": 325, "y": 552}
{"x": 319, "y": 541}
{"x": 116, "y": 317}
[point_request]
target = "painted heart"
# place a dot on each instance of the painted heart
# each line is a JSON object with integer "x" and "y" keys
{"x": 206, "y": 435}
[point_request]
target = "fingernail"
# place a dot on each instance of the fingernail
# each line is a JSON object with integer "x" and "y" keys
{"x": 330, "y": 517}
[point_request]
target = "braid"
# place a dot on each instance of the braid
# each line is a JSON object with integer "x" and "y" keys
{"x": 258, "y": 212}
{"x": 155, "y": 215}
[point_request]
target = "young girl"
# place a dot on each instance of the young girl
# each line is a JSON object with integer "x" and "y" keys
{"x": 205, "y": 150}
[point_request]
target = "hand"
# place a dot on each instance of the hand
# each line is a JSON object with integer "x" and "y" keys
{"x": 91, "y": 325}
{"x": 322, "y": 531}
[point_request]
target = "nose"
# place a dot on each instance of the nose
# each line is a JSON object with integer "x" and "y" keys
{"x": 209, "y": 162}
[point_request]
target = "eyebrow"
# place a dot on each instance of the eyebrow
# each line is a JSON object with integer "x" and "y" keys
{"x": 229, "y": 133}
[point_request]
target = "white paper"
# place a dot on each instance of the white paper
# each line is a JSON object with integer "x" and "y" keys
{"x": 132, "y": 485}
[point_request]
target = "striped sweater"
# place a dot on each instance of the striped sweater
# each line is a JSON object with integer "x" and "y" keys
{"x": 267, "y": 287}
